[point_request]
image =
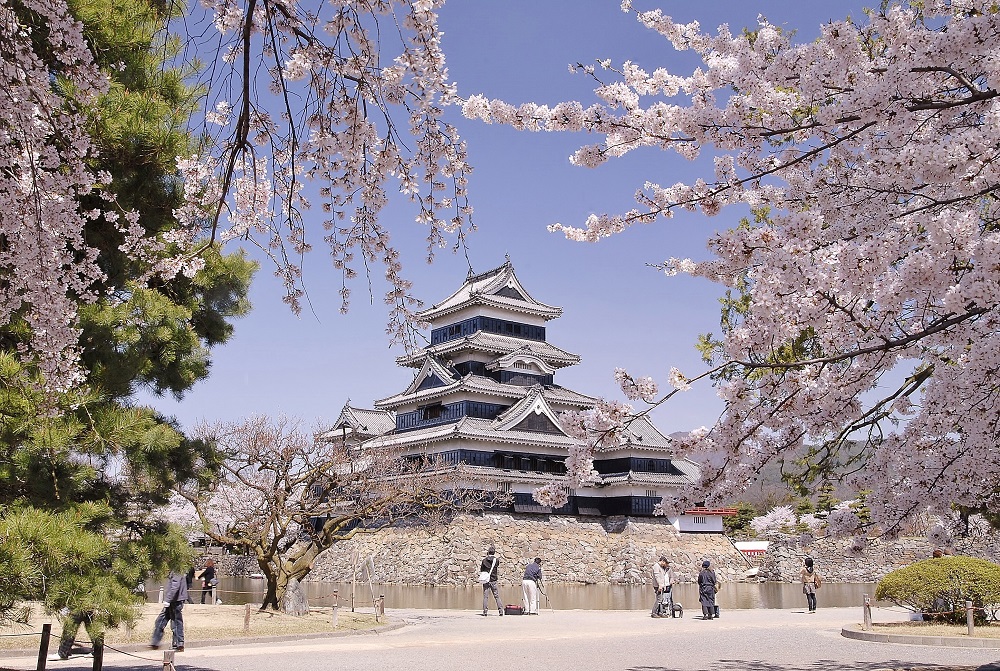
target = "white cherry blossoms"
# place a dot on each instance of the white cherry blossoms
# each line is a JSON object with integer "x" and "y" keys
{"x": 357, "y": 92}
{"x": 872, "y": 174}
{"x": 45, "y": 170}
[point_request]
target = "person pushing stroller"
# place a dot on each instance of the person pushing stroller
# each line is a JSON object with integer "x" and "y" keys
{"x": 663, "y": 580}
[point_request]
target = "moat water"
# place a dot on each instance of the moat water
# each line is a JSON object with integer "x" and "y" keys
{"x": 560, "y": 596}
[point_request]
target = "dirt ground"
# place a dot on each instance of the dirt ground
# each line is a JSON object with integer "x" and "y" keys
{"x": 201, "y": 623}
{"x": 991, "y": 630}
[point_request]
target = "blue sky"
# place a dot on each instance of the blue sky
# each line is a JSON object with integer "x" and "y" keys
{"x": 618, "y": 312}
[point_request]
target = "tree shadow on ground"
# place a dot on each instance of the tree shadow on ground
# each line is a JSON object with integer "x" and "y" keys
{"x": 827, "y": 665}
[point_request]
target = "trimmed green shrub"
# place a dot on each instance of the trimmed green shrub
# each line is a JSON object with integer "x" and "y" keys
{"x": 940, "y": 587}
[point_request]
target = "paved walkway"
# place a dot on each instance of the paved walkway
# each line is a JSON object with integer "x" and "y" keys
{"x": 445, "y": 640}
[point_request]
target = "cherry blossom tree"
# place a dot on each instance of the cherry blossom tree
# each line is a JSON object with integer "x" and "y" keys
{"x": 870, "y": 283}
{"x": 354, "y": 105}
{"x": 341, "y": 108}
{"x": 284, "y": 495}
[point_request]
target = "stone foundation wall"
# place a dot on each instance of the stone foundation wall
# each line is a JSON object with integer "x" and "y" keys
{"x": 616, "y": 550}
{"x": 837, "y": 560}
{"x": 230, "y": 565}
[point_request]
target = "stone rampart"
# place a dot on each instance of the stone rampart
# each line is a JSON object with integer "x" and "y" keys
{"x": 615, "y": 550}
{"x": 230, "y": 565}
{"x": 845, "y": 560}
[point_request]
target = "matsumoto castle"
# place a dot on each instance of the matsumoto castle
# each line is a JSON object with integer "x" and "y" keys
{"x": 484, "y": 397}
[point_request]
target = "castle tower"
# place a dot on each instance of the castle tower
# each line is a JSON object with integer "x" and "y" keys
{"x": 484, "y": 397}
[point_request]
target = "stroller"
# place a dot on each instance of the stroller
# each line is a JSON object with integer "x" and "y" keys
{"x": 665, "y": 605}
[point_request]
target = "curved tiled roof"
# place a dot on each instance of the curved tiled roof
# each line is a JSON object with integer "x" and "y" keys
{"x": 362, "y": 421}
{"x": 641, "y": 434}
{"x": 641, "y": 478}
{"x": 482, "y": 290}
{"x": 500, "y": 345}
{"x": 473, "y": 428}
{"x": 485, "y": 385}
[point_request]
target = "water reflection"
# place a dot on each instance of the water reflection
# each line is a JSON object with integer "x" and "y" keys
{"x": 560, "y": 597}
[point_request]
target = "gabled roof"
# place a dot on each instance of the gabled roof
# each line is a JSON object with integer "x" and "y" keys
{"x": 498, "y": 288}
{"x": 488, "y": 386}
{"x": 492, "y": 343}
{"x": 432, "y": 367}
{"x": 361, "y": 422}
{"x": 533, "y": 403}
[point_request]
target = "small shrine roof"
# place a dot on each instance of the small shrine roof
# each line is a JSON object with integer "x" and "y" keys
{"x": 501, "y": 345}
{"x": 498, "y": 287}
{"x": 485, "y": 385}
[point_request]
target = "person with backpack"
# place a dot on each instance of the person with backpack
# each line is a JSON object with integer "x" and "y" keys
{"x": 811, "y": 582}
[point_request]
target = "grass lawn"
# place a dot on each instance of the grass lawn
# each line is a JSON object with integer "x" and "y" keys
{"x": 201, "y": 623}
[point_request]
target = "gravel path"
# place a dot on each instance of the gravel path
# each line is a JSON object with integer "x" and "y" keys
{"x": 438, "y": 640}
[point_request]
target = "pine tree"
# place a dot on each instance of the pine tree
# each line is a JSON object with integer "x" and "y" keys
{"x": 83, "y": 471}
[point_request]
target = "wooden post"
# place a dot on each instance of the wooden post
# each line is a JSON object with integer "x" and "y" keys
{"x": 381, "y": 605}
{"x": 336, "y": 597}
{"x": 354, "y": 576}
{"x": 159, "y": 598}
{"x": 168, "y": 660}
{"x": 214, "y": 600}
{"x": 370, "y": 570}
{"x": 43, "y": 646}
{"x": 335, "y": 613}
{"x": 246, "y": 620}
{"x": 98, "y": 652}
{"x": 867, "y": 612}
{"x": 970, "y": 615}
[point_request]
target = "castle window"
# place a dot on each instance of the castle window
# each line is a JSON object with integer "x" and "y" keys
{"x": 431, "y": 411}
{"x": 700, "y": 519}
{"x": 651, "y": 493}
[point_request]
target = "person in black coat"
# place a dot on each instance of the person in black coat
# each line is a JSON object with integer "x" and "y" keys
{"x": 208, "y": 579}
{"x": 708, "y": 585}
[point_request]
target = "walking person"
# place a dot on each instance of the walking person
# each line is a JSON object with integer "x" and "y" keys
{"x": 663, "y": 580}
{"x": 489, "y": 568}
{"x": 71, "y": 621}
{"x": 208, "y": 580}
{"x": 811, "y": 581}
{"x": 174, "y": 595}
{"x": 708, "y": 585}
{"x": 530, "y": 586}
{"x": 189, "y": 580}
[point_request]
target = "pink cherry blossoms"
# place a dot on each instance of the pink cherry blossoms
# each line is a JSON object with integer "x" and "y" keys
{"x": 340, "y": 112}
{"x": 45, "y": 262}
{"x": 873, "y": 319}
